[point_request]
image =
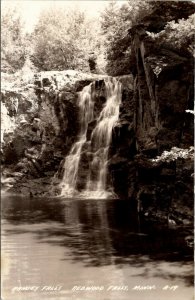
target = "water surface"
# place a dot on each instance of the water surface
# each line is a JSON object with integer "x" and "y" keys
{"x": 62, "y": 243}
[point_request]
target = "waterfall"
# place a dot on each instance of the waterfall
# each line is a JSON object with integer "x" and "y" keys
{"x": 72, "y": 160}
{"x": 100, "y": 141}
{"x": 98, "y": 144}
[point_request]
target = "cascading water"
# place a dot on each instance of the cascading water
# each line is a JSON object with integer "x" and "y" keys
{"x": 98, "y": 144}
{"x": 72, "y": 160}
{"x": 100, "y": 141}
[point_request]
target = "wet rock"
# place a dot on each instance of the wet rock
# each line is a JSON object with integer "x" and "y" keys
{"x": 43, "y": 123}
{"x": 153, "y": 119}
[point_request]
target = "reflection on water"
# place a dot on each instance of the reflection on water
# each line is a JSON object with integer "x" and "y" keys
{"x": 62, "y": 243}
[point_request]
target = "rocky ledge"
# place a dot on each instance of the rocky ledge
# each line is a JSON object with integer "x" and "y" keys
{"x": 39, "y": 125}
{"x": 151, "y": 155}
{"x": 151, "y": 158}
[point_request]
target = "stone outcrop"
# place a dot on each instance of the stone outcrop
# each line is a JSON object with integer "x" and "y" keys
{"x": 151, "y": 155}
{"x": 40, "y": 124}
{"x": 44, "y": 125}
{"x": 153, "y": 119}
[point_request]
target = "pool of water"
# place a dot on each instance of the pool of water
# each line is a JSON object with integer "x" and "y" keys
{"x": 90, "y": 250}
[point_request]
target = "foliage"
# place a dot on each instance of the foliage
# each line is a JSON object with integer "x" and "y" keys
{"x": 115, "y": 22}
{"x": 178, "y": 34}
{"x": 12, "y": 40}
{"x": 174, "y": 154}
{"x": 64, "y": 40}
{"x": 68, "y": 39}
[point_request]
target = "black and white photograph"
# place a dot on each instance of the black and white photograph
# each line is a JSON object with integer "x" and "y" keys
{"x": 97, "y": 150}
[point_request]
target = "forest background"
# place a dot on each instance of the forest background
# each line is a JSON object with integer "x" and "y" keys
{"x": 94, "y": 39}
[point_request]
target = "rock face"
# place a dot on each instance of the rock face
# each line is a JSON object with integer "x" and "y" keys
{"x": 40, "y": 124}
{"x": 153, "y": 119}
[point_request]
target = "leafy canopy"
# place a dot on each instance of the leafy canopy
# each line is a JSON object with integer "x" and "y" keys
{"x": 116, "y": 20}
{"x": 12, "y": 39}
{"x": 64, "y": 39}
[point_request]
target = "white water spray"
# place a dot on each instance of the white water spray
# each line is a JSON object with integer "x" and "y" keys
{"x": 100, "y": 141}
{"x": 72, "y": 160}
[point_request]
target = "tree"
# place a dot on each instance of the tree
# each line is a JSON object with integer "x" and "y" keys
{"x": 64, "y": 39}
{"x": 155, "y": 16}
{"x": 12, "y": 40}
{"x": 179, "y": 35}
{"x": 115, "y": 22}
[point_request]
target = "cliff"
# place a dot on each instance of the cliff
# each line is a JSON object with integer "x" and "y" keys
{"x": 152, "y": 153}
{"x": 39, "y": 125}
